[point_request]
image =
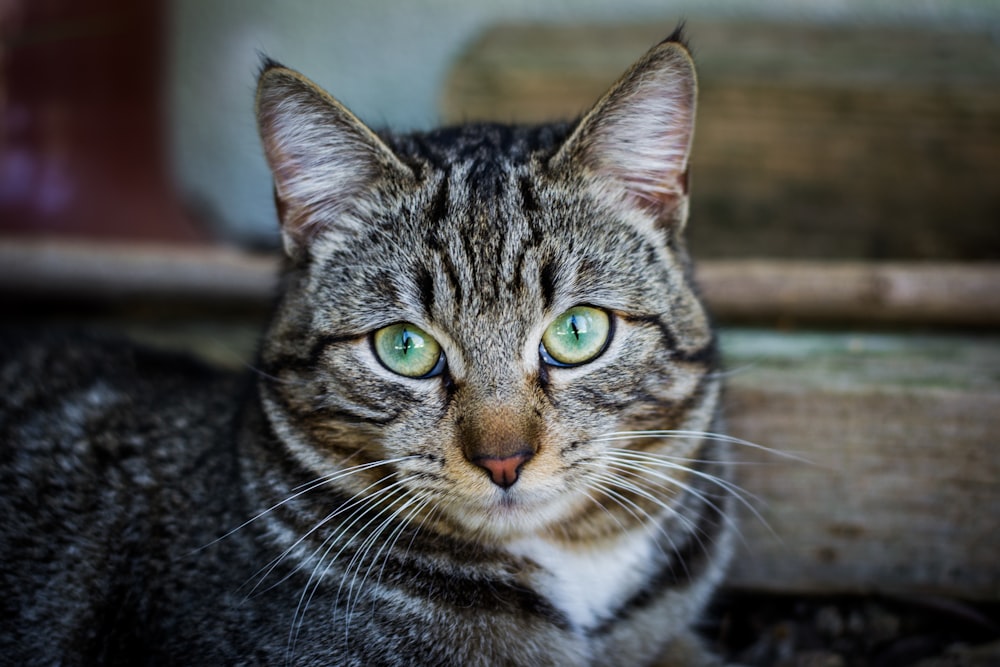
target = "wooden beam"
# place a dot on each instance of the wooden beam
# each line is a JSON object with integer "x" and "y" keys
{"x": 872, "y": 293}
{"x": 769, "y": 291}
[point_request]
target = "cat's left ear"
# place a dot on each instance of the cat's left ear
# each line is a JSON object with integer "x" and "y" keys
{"x": 634, "y": 144}
{"x": 327, "y": 164}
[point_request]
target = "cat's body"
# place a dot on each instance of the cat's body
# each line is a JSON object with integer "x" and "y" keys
{"x": 477, "y": 434}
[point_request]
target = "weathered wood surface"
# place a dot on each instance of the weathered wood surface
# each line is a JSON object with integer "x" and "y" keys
{"x": 901, "y": 491}
{"x": 845, "y": 141}
{"x": 736, "y": 290}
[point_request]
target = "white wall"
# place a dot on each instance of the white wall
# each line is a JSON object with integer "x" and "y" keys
{"x": 386, "y": 60}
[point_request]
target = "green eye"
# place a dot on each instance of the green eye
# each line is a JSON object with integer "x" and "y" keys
{"x": 577, "y": 336}
{"x": 408, "y": 350}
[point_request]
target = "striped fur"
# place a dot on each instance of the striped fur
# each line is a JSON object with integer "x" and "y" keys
{"x": 351, "y": 526}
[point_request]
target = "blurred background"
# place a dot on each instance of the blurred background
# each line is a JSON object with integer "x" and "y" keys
{"x": 134, "y": 120}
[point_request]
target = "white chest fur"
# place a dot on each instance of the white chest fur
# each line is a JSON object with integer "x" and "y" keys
{"x": 588, "y": 584}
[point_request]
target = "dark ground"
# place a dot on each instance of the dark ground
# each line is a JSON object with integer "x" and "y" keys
{"x": 863, "y": 631}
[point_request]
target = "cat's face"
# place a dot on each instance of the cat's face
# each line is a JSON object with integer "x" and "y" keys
{"x": 483, "y": 307}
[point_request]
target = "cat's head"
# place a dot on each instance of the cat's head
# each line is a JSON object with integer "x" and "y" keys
{"x": 483, "y": 306}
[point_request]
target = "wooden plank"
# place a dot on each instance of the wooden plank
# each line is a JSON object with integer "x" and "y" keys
{"x": 775, "y": 291}
{"x": 859, "y": 142}
{"x": 901, "y": 491}
{"x": 875, "y": 293}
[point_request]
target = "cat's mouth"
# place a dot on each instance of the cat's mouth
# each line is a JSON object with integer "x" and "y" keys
{"x": 511, "y": 512}
{"x": 506, "y": 501}
{"x": 508, "y": 504}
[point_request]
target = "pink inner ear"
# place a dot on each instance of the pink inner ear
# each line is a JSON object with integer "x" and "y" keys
{"x": 643, "y": 136}
{"x": 656, "y": 189}
{"x": 656, "y": 192}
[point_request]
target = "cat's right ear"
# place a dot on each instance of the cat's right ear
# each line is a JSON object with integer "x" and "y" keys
{"x": 325, "y": 161}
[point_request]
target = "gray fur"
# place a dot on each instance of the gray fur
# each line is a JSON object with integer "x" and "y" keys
{"x": 327, "y": 511}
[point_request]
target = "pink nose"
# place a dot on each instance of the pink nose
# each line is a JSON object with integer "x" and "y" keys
{"x": 504, "y": 471}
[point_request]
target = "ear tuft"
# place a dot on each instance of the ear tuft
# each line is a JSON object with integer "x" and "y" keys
{"x": 636, "y": 141}
{"x": 679, "y": 37}
{"x": 266, "y": 63}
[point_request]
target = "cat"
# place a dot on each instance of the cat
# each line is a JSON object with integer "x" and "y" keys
{"x": 481, "y": 430}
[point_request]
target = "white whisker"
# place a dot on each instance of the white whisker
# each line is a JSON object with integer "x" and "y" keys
{"x": 417, "y": 503}
{"x": 361, "y": 498}
{"x": 597, "y": 502}
{"x": 656, "y": 460}
{"x": 744, "y": 497}
{"x": 272, "y": 378}
{"x": 633, "y": 467}
{"x": 306, "y": 488}
{"x": 630, "y": 486}
{"x": 422, "y": 502}
{"x": 701, "y": 435}
{"x": 371, "y": 538}
{"x": 732, "y": 371}
{"x": 324, "y": 563}
{"x": 645, "y": 520}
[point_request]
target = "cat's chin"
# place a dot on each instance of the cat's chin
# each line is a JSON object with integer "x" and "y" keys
{"x": 506, "y": 515}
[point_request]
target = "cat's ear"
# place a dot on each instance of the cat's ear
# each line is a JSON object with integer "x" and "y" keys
{"x": 636, "y": 141}
{"x": 326, "y": 163}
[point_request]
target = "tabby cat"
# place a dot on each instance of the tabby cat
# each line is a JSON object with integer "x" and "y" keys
{"x": 479, "y": 431}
